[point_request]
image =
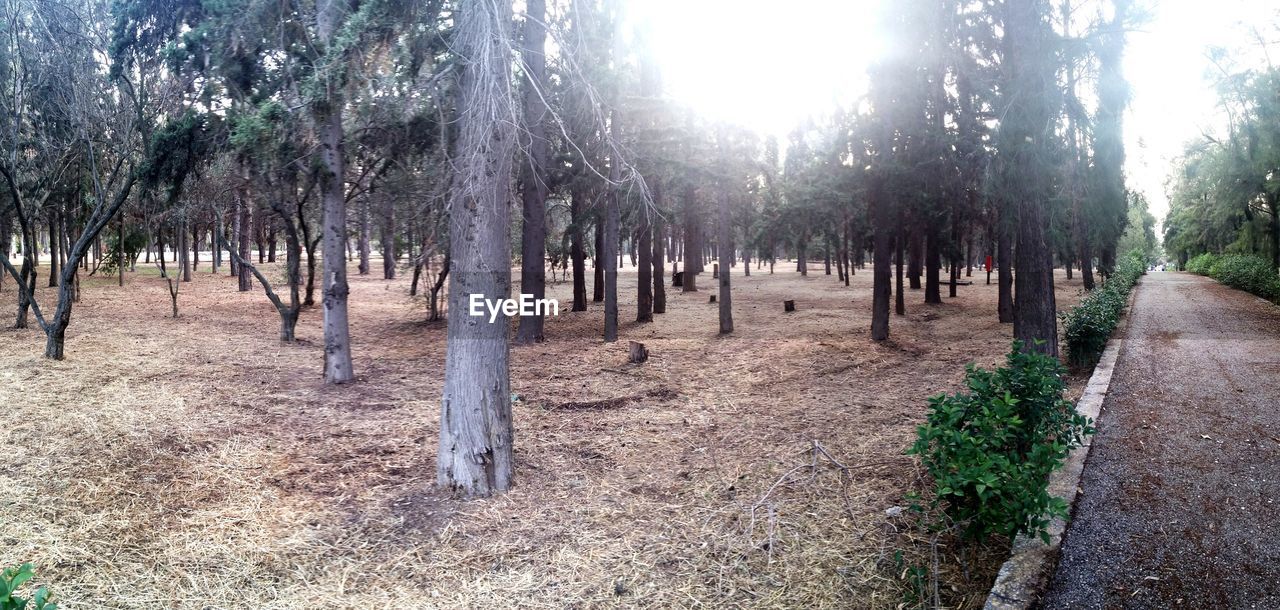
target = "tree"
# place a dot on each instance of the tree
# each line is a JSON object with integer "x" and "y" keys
{"x": 1025, "y": 138}
{"x": 475, "y": 412}
{"x": 533, "y": 176}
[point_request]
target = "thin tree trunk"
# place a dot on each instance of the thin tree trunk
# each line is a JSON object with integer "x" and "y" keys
{"x": 659, "y": 285}
{"x": 388, "y": 241}
{"x": 726, "y": 260}
{"x": 600, "y": 260}
{"x": 246, "y": 242}
{"x": 327, "y": 115}
{"x": 882, "y": 225}
{"x": 365, "y": 235}
{"x": 533, "y": 177}
{"x": 577, "y": 250}
{"x": 644, "y": 272}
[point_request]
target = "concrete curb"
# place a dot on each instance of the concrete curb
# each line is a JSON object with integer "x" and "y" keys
{"x": 1024, "y": 576}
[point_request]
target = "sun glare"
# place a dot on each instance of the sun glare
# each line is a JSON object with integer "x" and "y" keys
{"x": 762, "y": 64}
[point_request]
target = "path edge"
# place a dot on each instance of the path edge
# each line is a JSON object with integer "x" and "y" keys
{"x": 1025, "y": 575}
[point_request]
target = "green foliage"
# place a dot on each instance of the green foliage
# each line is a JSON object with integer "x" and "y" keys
{"x": 13, "y": 578}
{"x": 1245, "y": 272}
{"x": 990, "y": 450}
{"x": 1087, "y": 326}
{"x": 134, "y": 241}
{"x": 1202, "y": 263}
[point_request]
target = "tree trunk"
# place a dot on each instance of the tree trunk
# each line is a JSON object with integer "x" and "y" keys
{"x": 53, "y": 249}
{"x": 246, "y": 241}
{"x": 1026, "y": 135}
{"x": 644, "y": 272}
{"x": 932, "y": 266}
{"x": 1004, "y": 266}
{"x": 916, "y": 260}
{"x": 691, "y": 243}
{"x": 362, "y": 241}
{"x": 577, "y": 250}
{"x": 899, "y": 295}
{"x": 327, "y": 116}
{"x": 475, "y": 455}
{"x": 184, "y": 256}
{"x": 881, "y": 274}
{"x": 611, "y": 237}
{"x": 726, "y": 259}
{"x": 659, "y": 285}
{"x": 533, "y": 177}
{"x": 271, "y": 240}
{"x": 387, "y": 239}
{"x": 597, "y": 286}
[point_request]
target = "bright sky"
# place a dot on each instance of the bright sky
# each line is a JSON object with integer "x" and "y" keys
{"x": 768, "y": 65}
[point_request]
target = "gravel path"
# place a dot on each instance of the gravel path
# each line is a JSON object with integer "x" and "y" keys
{"x": 1182, "y": 486}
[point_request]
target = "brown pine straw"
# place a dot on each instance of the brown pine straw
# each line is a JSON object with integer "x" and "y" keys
{"x": 198, "y": 463}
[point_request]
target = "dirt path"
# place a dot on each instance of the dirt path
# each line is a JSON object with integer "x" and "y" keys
{"x": 1181, "y": 487}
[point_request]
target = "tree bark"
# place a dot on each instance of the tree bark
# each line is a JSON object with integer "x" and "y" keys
{"x": 1004, "y": 266}
{"x": 659, "y": 285}
{"x": 327, "y": 115}
{"x": 597, "y": 286}
{"x": 53, "y": 248}
{"x": 883, "y": 245}
{"x": 533, "y": 177}
{"x": 726, "y": 260}
{"x": 577, "y": 250}
{"x": 475, "y": 455}
{"x": 246, "y": 241}
{"x": 362, "y": 241}
{"x": 1026, "y": 136}
{"x": 644, "y": 272}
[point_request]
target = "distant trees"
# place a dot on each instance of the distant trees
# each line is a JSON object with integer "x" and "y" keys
{"x": 1225, "y": 198}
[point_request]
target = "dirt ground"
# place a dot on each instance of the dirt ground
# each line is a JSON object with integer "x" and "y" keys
{"x": 1179, "y": 492}
{"x": 199, "y": 463}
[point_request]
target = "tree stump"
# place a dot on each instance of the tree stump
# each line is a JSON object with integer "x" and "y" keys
{"x": 788, "y": 306}
{"x": 638, "y": 352}
{"x": 713, "y": 299}
{"x": 715, "y": 271}
{"x": 677, "y": 279}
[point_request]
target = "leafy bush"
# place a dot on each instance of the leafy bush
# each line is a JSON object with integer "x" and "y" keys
{"x": 135, "y": 240}
{"x": 11, "y": 579}
{"x": 990, "y": 450}
{"x": 1087, "y": 326}
{"x": 1202, "y": 263}
{"x": 1249, "y": 273}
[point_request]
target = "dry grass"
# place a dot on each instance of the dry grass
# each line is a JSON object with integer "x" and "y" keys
{"x": 199, "y": 463}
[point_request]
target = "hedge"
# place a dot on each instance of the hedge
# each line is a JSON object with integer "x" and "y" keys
{"x": 1243, "y": 271}
{"x": 1087, "y": 326}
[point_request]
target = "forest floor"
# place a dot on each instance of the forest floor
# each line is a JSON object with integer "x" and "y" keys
{"x": 199, "y": 463}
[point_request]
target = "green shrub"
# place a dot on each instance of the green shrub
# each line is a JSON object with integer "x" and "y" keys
{"x": 1201, "y": 264}
{"x": 990, "y": 450}
{"x": 1249, "y": 273}
{"x": 11, "y": 579}
{"x": 1087, "y": 326}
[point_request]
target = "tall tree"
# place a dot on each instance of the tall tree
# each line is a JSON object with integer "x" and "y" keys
{"x": 533, "y": 176}
{"x": 1025, "y": 139}
{"x": 475, "y": 412}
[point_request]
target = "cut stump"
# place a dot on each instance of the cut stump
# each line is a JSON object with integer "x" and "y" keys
{"x": 639, "y": 353}
{"x": 788, "y": 306}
